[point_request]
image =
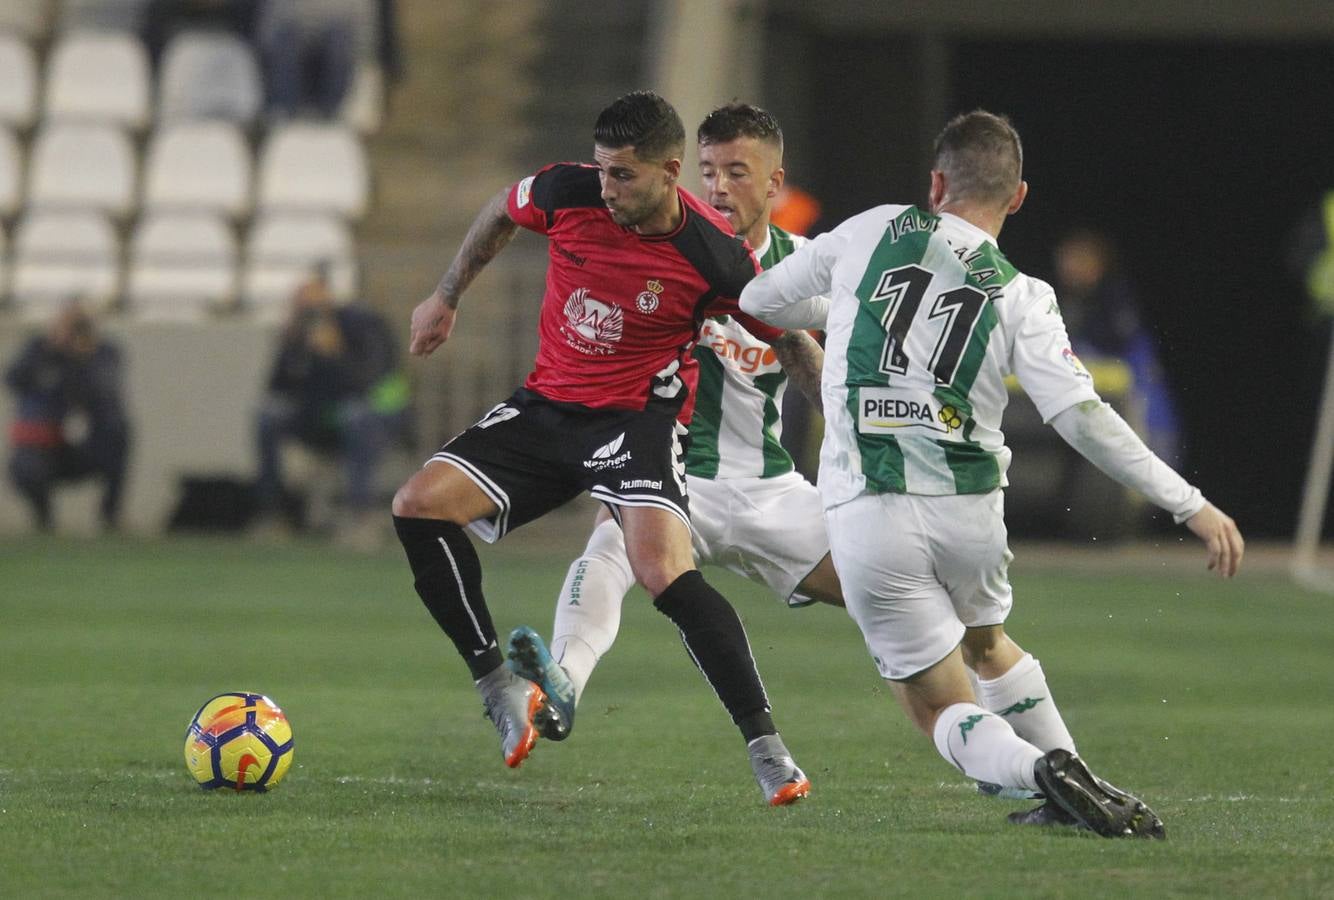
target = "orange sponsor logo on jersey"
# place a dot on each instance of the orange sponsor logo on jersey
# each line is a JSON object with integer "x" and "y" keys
{"x": 748, "y": 360}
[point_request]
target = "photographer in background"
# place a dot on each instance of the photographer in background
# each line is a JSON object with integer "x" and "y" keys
{"x": 336, "y": 389}
{"x": 71, "y": 422}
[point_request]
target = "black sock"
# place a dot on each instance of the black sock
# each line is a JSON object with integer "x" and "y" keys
{"x": 716, "y": 641}
{"x": 449, "y": 580}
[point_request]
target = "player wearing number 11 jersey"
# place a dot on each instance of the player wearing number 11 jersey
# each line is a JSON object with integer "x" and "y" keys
{"x": 926, "y": 319}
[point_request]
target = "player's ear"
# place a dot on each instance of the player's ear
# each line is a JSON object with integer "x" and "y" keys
{"x": 936, "y": 194}
{"x": 776, "y": 181}
{"x": 673, "y": 169}
{"x": 1018, "y": 200}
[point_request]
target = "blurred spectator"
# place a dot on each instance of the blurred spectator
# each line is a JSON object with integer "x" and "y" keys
{"x": 309, "y": 51}
{"x": 1102, "y": 316}
{"x": 71, "y": 422}
{"x": 336, "y": 389}
{"x": 166, "y": 18}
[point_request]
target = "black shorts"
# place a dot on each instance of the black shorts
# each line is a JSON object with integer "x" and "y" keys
{"x": 531, "y": 455}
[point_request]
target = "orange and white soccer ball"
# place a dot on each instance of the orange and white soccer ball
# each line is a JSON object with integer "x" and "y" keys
{"x": 239, "y": 740}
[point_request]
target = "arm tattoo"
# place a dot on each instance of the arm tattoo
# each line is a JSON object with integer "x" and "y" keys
{"x": 802, "y": 359}
{"x": 489, "y": 233}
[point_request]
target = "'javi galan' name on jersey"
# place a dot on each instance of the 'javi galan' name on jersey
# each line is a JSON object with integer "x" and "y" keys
{"x": 621, "y": 311}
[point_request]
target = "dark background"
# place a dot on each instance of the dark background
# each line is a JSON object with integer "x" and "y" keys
{"x": 1198, "y": 158}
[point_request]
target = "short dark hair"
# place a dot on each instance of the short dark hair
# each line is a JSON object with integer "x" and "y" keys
{"x": 981, "y": 156}
{"x": 737, "y": 120}
{"x": 645, "y": 121}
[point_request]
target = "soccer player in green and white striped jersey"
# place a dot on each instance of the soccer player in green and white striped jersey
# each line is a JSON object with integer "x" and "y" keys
{"x": 750, "y": 511}
{"x": 926, "y": 318}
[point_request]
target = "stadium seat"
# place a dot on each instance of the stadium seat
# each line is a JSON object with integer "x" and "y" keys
{"x": 29, "y": 19}
{"x": 182, "y": 266}
{"x": 82, "y": 165}
{"x": 363, "y": 108}
{"x": 308, "y": 166}
{"x": 18, "y": 82}
{"x": 198, "y": 165}
{"x": 11, "y": 173}
{"x": 281, "y": 250}
{"x": 122, "y": 15}
{"x": 209, "y": 75}
{"x": 98, "y": 75}
{"x": 59, "y": 255}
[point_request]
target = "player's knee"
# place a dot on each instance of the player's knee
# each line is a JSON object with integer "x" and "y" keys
{"x": 656, "y": 576}
{"x": 424, "y": 497}
{"x": 981, "y": 646}
{"x": 413, "y": 501}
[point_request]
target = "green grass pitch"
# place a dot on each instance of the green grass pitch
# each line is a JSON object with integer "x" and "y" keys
{"x": 1212, "y": 700}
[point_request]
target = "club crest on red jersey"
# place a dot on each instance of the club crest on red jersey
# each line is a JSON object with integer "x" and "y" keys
{"x": 648, "y": 300}
{"x": 591, "y": 325}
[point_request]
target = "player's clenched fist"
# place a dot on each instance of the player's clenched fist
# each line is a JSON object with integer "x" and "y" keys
{"x": 432, "y": 322}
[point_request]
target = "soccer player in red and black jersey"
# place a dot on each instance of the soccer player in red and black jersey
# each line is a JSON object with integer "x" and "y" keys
{"x": 636, "y": 265}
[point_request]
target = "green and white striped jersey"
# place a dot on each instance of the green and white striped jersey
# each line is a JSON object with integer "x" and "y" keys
{"x": 737, "y": 423}
{"x": 927, "y": 317}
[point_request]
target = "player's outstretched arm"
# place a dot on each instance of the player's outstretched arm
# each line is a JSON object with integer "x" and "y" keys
{"x": 772, "y": 297}
{"x": 433, "y": 319}
{"x": 1104, "y": 439}
{"x": 1221, "y": 535}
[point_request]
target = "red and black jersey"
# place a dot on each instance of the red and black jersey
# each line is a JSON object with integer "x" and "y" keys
{"x": 622, "y": 311}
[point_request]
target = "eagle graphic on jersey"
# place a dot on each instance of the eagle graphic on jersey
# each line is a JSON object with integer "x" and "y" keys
{"x": 596, "y": 322}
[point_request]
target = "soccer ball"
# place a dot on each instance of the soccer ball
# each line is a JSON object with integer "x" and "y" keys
{"x": 239, "y": 740}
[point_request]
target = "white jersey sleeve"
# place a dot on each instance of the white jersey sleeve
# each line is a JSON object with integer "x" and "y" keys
{"x": 1104, "y": 439}
{"x": 795, "y": 293}
{"x": 1041, "y": 358}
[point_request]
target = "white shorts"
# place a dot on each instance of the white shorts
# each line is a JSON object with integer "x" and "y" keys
{"x": 769, "y": 530}
{"x": 917, "y": 570}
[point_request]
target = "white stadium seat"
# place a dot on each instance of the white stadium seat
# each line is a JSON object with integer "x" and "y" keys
{"x": 182, "y": 266}
{"x": 314, "y": 166}
{"x": 125, "y": 15}
{"x": 18, "y": 82}
{"x": 363, "y": 107}
{"x": 209, "y": 75}
{"x": 281, "y": 250}
{"x": 11, "y": 173}
{"x": 82, "y": 165}
{"x": 30, "y": 19}
{"x": 99, "y": 75}
{"x": 59, "y": 255}
{"x": 198, "y": 165}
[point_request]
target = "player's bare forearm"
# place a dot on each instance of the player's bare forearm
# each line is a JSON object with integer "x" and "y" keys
{"x": 802, "y": 359}
{"x": 433, "y": 319}
{"x": 489, "y": 233}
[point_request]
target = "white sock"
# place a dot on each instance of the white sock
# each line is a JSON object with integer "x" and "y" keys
{"x": 588, "y": 610}
{"x": 1021, "y": 697}
{"x": 983, "y": 747}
